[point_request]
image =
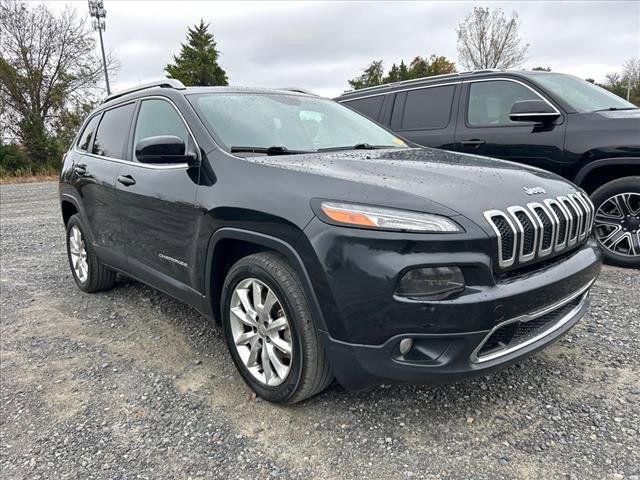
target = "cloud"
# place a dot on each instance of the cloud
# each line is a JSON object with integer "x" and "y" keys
{"x": 319, "y": 45}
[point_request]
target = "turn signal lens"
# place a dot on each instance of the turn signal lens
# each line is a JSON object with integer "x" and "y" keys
{"x": 387, "y": 218}
{"x": 433, "y": 282}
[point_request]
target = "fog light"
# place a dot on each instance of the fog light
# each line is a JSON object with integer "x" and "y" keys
{"x": 405, "y": 345}
{"x": 433, "y": 282}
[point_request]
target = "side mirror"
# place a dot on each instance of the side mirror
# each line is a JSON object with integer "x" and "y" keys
{"x": 164, "y": 149}
{"x": 532, "y": 111}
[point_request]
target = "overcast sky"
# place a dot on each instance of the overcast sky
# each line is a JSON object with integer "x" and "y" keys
{"x": 320, "y": 45}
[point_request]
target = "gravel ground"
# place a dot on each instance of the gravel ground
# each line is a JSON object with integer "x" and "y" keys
{"x": 133, "y": 384}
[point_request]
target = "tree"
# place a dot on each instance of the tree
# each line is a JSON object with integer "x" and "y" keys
{"x": 371, "y": 76}
{"x": 374, "y": 75}
{"x": 197, "y": 64}
{"x": 541, "y": 69}
{"x": 626, "y": 84}
{"x": 48, "y": 65}
{"x": 488, "y": 39}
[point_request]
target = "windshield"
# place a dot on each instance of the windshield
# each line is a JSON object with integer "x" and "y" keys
{"x": 583, "y": 96}
{"x": 289, "y": 122}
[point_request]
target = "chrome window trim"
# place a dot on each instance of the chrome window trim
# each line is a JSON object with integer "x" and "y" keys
{"x": 173, "y": 166}
{"x": 556, "y": 111}
{"x": 399, "y": 91}
{"x": 527, "y": 317}
{"x": 558, "y": 245}
{"x": 529, "y": 256}
{"x": 497, "y": 213}
{"x": 543, "y": 252}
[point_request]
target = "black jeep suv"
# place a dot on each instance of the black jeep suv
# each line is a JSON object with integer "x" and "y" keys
{"x": 322, "y": 243}
{"x": 549, "y": 120}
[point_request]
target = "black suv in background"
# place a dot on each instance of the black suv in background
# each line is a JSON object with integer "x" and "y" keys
{"x": 549, "y": 120}
{"x": 322, "y": 243}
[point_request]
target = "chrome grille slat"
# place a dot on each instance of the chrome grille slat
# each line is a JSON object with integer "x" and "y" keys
{"x": 534, "y": 231}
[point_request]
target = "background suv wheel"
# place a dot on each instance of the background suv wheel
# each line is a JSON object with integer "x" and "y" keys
{"x": 90, "y": 275}
{"x": 617, "y": 221}
{"x": 270, "y": 332}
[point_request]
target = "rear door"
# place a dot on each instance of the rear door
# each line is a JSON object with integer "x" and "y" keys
{"x": 484, "y": 126}
{"x": 426, "y": 115}
{"x": 160, "y": 218}
{"x": 102, "y": 147}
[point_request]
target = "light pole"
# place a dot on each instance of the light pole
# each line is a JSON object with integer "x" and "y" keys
{"x": 98, "y": 13}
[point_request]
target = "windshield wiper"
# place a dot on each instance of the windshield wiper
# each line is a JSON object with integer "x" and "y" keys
{"x": 615, "y": 109}
{"x": 273, "y": 150}
{"x": 358, "y": 146}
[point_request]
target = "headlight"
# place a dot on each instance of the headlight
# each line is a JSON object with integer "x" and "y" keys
{"x": 387, "y": 218}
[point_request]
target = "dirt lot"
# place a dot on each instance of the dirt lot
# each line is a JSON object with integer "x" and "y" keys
{"x": 132, "y": 384}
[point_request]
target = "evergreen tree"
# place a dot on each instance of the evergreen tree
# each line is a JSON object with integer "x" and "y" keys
{"x": 197, "y": 64}
{"x": 393, "y": 75}
{"x": 371, "y": 76}
{"x": 403, "y": 71}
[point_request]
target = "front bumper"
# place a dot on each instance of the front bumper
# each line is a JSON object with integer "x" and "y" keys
{"x": 438, "y": 358}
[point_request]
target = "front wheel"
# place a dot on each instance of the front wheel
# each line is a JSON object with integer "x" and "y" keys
{"x": 617, "y": 221}
{"x": 270, "y": 331}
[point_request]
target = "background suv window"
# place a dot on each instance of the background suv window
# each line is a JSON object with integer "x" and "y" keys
{"x": 87, "y": 134}
{"x": 491, "y": 102}
{"x": 369, "y": 107}
{"x": 113, "y": 131}
{"x": 158, "y": 117}
{"x": 428, "y": 108}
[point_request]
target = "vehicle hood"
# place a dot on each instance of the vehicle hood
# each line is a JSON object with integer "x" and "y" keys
{"x": 466, "y": 184}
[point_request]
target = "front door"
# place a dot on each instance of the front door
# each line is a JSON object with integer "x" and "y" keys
{"x": 484, "y": 127}
{"x": 160, "y": 219}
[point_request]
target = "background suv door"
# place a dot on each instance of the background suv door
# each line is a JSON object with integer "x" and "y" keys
{"x": 160, "y": 215}
{"x": 484, "y": 126}
{"x": 96, "y": 165}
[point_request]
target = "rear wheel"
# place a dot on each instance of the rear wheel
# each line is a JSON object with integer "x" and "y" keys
{"x": 617, "y": 221}
{"x": 270, "y": 331}
{"x": 90, "y": 275}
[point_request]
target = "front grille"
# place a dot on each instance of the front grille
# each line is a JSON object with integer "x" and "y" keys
{"x": 528, "y": 233}
{"x": 518, "y": 333}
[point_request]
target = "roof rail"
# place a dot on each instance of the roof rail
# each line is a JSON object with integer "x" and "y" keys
{"x": 298, "y": 90}
{"x": 164, "y": 83}
{"x": 422, "y": 79}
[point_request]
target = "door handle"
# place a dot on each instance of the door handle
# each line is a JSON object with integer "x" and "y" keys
{"x": 80, "y": 168}
{"x": 474, "y": 142}
{"x": 126, "y": 180}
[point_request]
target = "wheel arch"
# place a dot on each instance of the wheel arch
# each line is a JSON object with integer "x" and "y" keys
{"x": 599, "y": 172}
{"x": 225, "y": 245}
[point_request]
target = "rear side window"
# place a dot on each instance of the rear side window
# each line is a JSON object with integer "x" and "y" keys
{"x": 369, "y": 107}
{"x": 491, "y": 102}
{"x": 428, "y": 108}
{"x": 111, "y": 136}
{"x": 87, "y": 134}
{"x": 158, "y": 117}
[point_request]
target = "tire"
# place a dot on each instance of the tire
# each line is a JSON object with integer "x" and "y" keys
{"x": 93, "y": 276}
{"x": 308, "y": 370}
{"x": 617, "y": 221}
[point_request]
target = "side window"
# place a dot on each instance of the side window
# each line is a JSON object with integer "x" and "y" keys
{"x": 369, "y": 107}
{"x": 158, "y": 117}
{"x": 111, "y": 136}
{"x": 87, "y": 134}
{"x": 491, "y": 102}
{"x": 428, "y": 108}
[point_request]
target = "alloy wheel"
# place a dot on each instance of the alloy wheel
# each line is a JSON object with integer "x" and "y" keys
{"x": 78, "y": 254}
{"x": 261, "y": 332}
{"x": 617, "y": 224}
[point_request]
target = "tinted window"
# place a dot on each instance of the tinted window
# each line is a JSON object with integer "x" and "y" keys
{"x": 491, "y": 102}
{"x": 428, "y": 108}
{"x": 112, "y": 132}
{"x": 369, "y": 107}
{"x": 158, "y": 117}
{"x": 87, "y": 134}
